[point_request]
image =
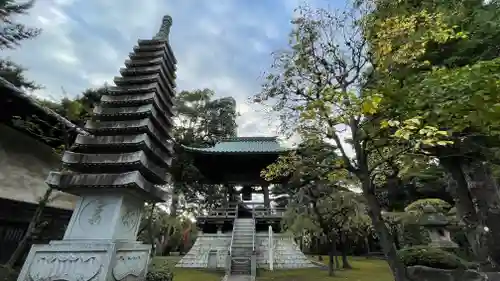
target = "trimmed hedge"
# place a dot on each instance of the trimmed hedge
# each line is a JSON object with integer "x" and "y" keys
{"x": 431, "y": 257}
{"x": 159, "y": 276}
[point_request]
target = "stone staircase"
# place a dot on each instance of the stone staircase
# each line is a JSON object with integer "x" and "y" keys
{"x": 242, "y": 247}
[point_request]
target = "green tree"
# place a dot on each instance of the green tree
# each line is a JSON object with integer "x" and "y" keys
{"x": 321, "y": 205}
{"x": 451, "y": 85}
{"x": 12, "y": 32}
{"x": 201, "y": 120}
{"x": 15, "y": 74}
{"x": 316, "y": 86}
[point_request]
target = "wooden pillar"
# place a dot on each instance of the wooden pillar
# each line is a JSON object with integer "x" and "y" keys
{"x": 265, "y": 192}
{"x": 225, "y": 201}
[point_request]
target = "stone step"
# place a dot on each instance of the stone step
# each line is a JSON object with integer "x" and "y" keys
{"x": 240, "y": 236}
{"x": 248, "y": 245}
{"x": 241, "y": 253}
{"x": 238, "y": 270}
{"x": 243, "y": 238}
{"x": 243, "y": 245}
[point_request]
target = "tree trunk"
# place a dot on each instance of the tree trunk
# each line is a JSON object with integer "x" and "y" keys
{"x": 343, "y": 249}
{"x": 485, "y": 192}
{"x": 395, "y": 234}
{"x": 174, "y": 204}
{"x": 151, "y": 235}
{"x": 331, "y": 256}
{"x": 367, "y": 245}
{"x": 386, "y": 240}
{"x": 32, "y": 227}
{"x": 265, "y": 192}
{"x": 465, "y": 209}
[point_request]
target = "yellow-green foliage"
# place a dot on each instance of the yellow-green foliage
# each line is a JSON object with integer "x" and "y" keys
{"x": 393, "y": 43}
{"x": 439, "y": 205}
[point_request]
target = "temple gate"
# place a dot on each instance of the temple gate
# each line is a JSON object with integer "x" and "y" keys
{"x": 242, "y": 236}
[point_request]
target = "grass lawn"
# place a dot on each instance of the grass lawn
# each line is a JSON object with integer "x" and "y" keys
{"x": 184, "y": 274}
{"x": 363, "y": 270}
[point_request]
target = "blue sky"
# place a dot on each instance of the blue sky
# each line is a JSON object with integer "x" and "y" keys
{"x": 223, "y": 45}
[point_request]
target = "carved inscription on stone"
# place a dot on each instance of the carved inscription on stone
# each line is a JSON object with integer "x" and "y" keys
{"x": 68, "y": 267}
{"x": 130, "y": 264}
{"x": 130, "y": 218}
{"x": 92, "y": 213}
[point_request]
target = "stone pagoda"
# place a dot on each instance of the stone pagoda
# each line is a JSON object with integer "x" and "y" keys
{"x": 242, "y": 236}
{"x": 122, "y": 165}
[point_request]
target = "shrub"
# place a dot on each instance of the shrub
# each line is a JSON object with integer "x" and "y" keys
{"x": 431, "y": 257}
{"x": 419, "y": 205}
{"x": 7, "y": 274}
{"x": 159, "y": 276}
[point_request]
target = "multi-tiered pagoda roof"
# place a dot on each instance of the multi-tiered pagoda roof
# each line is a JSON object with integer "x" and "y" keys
{"x": 130, "y": 147}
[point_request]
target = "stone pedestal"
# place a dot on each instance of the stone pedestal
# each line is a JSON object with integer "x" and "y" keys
{"x": 106, "y": 216}
{"x": 85, "y": 260}
{"x": 99, "y": 244}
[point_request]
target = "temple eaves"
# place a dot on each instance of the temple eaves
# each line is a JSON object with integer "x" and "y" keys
{"x": 260, "y": 145}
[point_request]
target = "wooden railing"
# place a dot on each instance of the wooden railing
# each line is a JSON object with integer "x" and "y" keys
{"x": 260, "y": 211}
{"x": 225, "y": 212}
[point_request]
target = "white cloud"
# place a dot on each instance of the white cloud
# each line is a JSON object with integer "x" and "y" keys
{"x": 223, "y": 45}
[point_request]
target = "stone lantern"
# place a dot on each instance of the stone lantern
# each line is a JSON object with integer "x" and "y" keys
{"x": 435, "y": 223}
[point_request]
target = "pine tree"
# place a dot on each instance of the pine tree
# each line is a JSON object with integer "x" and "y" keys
{"x": 12, "y": 32}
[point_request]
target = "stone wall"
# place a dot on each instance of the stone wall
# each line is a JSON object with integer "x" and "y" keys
{"x": 286, "y": 255}
{"x": 286, "y": 252}
{"x": 197, "y": 257}
{"x": 24, "y": 166}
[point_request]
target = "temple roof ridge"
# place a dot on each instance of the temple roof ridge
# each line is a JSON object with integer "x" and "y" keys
{"x": 249, "y": 139}
{"x": 257, "y": 144}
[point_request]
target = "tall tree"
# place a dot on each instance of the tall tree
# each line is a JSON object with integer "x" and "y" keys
{"x": 201, "y": 120}
{"x": 11, "y": 34}
{"x": 451, "y": 85}
{"x": 316, "y": 87}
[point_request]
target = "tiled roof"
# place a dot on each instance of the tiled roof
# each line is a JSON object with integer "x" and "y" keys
{"x": 243, "y": 145}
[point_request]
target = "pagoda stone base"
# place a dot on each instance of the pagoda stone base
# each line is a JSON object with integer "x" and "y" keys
{"x": 85, "y": 260}
{"x": 210, "y": 251}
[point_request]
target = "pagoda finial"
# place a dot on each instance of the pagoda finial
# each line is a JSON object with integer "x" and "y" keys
{"x": 164, "y": 31}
